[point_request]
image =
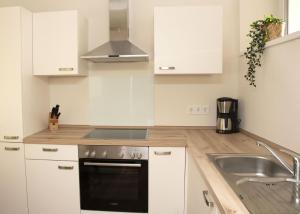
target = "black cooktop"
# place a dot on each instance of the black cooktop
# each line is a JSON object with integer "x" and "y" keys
{"x": 110, "y": 134}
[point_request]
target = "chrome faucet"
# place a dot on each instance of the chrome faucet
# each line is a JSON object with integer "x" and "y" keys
{"x": 295, "y": 171}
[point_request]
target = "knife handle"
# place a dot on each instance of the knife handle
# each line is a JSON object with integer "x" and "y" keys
{"x": 52, "y": 113}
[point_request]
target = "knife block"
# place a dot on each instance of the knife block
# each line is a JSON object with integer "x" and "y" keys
{"x": 52, "y": 123}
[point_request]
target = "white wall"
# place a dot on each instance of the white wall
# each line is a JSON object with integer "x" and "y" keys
{"x": 129, "y": 94}
{"x": 272, "y": 109}
{"x": 72, "y": 95}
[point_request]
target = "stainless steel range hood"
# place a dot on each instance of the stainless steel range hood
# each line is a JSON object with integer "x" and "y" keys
{"x": 119, "y": 48}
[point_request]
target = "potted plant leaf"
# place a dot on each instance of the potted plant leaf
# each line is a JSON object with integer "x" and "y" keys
{"x": 261, "y": 32}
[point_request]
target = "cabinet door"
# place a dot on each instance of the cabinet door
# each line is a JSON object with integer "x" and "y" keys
{"x": 188, "y": 40}
{"x": 10, "y": 71}
{"x": 13, "y": 198}
{"x": 53, "y": 187}
{"x": 55, "y": 43}
{"x": 198, "y": 197}
{"x": 166, "y": 180}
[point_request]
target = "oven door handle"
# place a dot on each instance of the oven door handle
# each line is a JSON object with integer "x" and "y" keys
{"x": 131, "y": 165}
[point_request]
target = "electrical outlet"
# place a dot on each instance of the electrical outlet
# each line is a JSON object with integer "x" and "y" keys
{"x": 190, "y": 109}
{"x": 194, "y": 109}
{"x": 198, "y": 109}
{"x": 205, "y": 109}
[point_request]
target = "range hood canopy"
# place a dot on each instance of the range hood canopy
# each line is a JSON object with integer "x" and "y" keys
{"x": 119, "y": 48}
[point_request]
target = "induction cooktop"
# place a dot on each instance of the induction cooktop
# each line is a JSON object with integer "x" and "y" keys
{"x": 115, "y": 134}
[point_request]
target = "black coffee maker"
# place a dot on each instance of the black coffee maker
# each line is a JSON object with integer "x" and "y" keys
{"x": 227, "y": 116}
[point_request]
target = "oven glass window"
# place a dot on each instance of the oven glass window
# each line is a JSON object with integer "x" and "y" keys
{"x": 114, "y": 188}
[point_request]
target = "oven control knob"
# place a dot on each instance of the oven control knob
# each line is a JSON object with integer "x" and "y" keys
{"x": 93, "y": 154}
{"x": 122, "y": 155}
{"x": 104, "y": 154}
{"x": 132, "y": 155}
{"x": 139, "y": 155}
{"x": 87, "y": 153}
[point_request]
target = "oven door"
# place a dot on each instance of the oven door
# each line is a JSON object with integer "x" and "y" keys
{"x": 114, "y": 185}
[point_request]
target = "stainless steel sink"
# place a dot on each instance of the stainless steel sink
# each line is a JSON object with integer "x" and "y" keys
{"x": 262, "y": 183}
{"x": 249, "y": 165}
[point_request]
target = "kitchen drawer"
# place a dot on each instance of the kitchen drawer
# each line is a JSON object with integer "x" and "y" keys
{"x": 51, "y": 152}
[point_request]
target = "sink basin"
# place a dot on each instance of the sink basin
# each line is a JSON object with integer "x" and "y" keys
{"x": 262, "y": 184}
{"x": 249, "y": 165}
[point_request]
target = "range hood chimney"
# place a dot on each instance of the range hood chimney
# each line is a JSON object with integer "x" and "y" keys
{"x": 119, "y": 48}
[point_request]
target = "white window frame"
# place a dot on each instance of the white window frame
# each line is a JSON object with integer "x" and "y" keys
{"x": 286, "y": 17}
{"x": 287, "y": 36}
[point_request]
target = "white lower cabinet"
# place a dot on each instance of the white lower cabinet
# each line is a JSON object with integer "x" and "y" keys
{"x": 199, "y": 200}
{"x": 166, "y": 180}
{"x": 13, "y": 199}
{"x": 53, "y": 187}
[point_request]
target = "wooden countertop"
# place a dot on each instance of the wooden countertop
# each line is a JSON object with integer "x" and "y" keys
{"x": 199, "y": 143}
{"x": 202, "y": 142}
{"x": 74, "y": 135}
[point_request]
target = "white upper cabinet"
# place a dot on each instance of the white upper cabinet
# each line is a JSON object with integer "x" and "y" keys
{"x": 188, "y": 40}
{"x": 24, "y": 98}
{"x": 59, "y": 39}
{"x": 10, "y": 71}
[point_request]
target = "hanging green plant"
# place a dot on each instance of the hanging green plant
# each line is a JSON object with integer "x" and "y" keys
{"x": 261, "y": 32}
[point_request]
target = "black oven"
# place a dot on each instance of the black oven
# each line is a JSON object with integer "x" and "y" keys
{"x": 114, "y": 178}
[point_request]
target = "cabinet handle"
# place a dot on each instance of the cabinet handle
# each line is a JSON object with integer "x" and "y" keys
{"x": 164, "y": 68}
{"x": 50, "y": 150}
{"x": 66, "y": 167}
{"x": 209, "y": 203}
{"x": 12, "y": 148}
{"x": 163, "y": 153}
{"x": 11, "y": 137}
{"x": 66, "y": 69}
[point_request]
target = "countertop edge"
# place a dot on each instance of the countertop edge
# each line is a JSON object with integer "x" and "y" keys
{"x": 151, "y": 143}
{"x": 236, "y": 206}
{"x": 74, "y": 135}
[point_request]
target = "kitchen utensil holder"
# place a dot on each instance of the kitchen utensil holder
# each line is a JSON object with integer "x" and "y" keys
{"x": 52, "y": 123}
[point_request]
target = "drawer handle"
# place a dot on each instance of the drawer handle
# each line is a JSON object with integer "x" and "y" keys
{"x": 165, "y": 68}
{"x": 50, "y": 150}
{"x": 12, "y": 148}
{"x": 66, "y": 167}
{"x": 66, "y": 69}
{"x": 209, "y": 203}
{"x": 162, "y": 153}
{"x": 11, "y": 137}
